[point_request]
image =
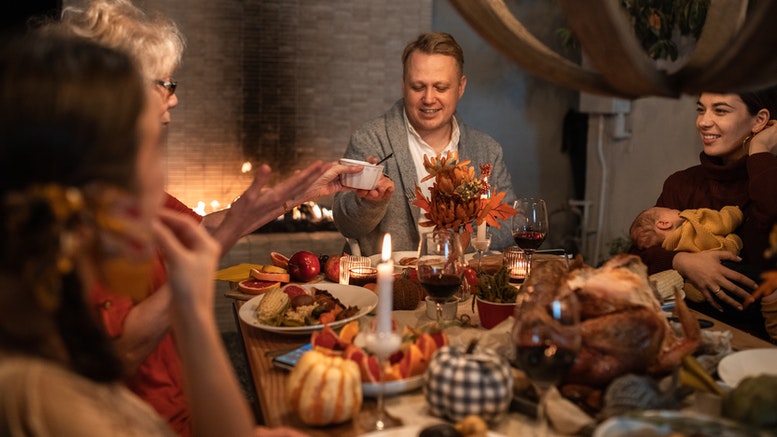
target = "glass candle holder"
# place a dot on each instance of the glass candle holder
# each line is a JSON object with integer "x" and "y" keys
{"x": 516, "y": 262}
{"x": 349, "y": 261}
{"x": 361, "y": 276}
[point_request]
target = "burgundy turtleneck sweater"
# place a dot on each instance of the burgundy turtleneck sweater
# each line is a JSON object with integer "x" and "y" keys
{"x": 749, "y": 183}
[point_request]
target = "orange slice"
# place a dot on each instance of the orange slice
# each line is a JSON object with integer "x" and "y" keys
{"x": 270, "y": 276}
{"x": 278, "y": 259}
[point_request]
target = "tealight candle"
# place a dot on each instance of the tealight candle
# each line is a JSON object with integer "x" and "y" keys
{"x": 385, "y": 288}
{"x": 516, "y": 262}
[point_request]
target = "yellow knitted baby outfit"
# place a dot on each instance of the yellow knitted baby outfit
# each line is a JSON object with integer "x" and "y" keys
{"x": 706, "y": 229}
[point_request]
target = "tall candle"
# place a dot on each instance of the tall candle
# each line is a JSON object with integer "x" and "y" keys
{"x": 481, "y": 231}
{"x": 385, "y": 288}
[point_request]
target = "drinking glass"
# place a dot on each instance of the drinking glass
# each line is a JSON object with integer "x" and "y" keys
{"x": 530, "y": 226}
{"x": 440, "y": 266}
{"x": 546, "y": 335}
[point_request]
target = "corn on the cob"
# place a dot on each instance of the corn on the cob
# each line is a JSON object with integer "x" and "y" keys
{"x": 272, "y": 307}
{"x": 666, "y": 282}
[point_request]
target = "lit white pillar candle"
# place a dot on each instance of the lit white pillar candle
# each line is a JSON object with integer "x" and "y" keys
{"x": 481, "y": 231}
{"x": 385, "y": 288}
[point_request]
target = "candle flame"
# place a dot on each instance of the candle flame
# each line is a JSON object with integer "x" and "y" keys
{"x": 386, "y": 253}
{"x": 200, "y": 209}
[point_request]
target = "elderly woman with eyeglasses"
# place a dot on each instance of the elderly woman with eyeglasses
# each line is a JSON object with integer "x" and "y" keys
{"x": 140, "y": 327}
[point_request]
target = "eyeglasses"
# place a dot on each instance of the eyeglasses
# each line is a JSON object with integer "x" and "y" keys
{"x": 168, "y": 86}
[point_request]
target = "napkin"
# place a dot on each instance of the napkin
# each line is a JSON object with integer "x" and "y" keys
{"x": 236, "y": 273}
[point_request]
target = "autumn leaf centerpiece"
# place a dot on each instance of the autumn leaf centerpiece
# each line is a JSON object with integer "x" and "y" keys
{"x": 457, "y": 198}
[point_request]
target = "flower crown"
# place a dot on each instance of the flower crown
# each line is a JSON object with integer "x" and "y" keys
{"x": 457, "y": 198}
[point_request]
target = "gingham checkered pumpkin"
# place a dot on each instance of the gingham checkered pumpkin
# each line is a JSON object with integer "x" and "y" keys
{"x": 468, "y": 380}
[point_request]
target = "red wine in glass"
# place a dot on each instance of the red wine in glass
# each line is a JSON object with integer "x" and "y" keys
{"x": 441, "y": 286}
{"x": 546, "y": 365}
{"x": 440, "y": 266}
{"x": 529, "y": 240}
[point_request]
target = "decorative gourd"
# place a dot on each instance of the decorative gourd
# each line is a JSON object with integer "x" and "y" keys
{"x": 463, "y": 381}
{"x": 324, "y": 389}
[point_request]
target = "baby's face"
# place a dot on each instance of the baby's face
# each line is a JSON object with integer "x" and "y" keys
{"x": 670, "y": 217}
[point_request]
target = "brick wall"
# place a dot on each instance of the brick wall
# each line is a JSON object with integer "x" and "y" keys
{"x": 279, "y": 82}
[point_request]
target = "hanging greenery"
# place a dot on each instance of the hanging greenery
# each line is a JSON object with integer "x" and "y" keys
{"x": 654, "y": 23}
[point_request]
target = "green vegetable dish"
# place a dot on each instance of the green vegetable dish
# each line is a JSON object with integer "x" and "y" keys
{"x": 496, "y": 287}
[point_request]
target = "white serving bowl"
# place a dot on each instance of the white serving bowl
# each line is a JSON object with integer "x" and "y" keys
{"x": 366, "y": 179}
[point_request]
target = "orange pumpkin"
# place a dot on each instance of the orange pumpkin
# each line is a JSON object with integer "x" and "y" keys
{"x": 324, "y": 389}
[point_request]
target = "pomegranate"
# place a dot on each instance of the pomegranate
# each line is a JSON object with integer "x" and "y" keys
{"x": 304, "y": 266}
{"x": 332, "y": 268}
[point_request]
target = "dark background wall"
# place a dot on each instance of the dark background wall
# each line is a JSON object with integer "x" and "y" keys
{"x": 13, "y": 18}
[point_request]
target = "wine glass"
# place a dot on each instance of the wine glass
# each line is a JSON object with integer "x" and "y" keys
{"x": 530, "y": 226}
{"x": 382, "y": 345}
{"x": 481, "y": 245}
{"x": 440, "y": 266}
{"x": 546, "y": 335}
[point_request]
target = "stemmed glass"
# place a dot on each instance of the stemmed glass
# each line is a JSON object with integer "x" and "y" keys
{"x": 547, "y": 339}
{"x": 481, "y": 245}
{"x": 530, "y": 226}
{"x": 382, "y": 345}
{"x": 440, "y": 266}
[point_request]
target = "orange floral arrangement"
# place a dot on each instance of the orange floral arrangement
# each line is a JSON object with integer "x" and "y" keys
{"x": 458, "y": 198}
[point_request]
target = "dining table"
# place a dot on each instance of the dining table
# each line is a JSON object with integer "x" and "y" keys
{"x": 269, "y": 381}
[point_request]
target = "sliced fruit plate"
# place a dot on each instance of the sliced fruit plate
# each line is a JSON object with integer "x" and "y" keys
{"x": 372, "y": 389}
{"x": 405, "y": 369}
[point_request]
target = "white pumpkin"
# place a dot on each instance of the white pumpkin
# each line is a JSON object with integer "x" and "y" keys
{"x": 463, "y": 381}
{"x": 324, "y": 389}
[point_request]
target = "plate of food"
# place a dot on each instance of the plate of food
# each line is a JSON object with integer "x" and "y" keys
{"x": 301, "y": 320}
{"x": 752, "y": 362}
{"x": 402, "y": 259}
{"x": 390, "y": 388}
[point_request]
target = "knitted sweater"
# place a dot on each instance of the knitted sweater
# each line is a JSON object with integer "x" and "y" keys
{"x": 367, "y": 221}
{"x": 749, "y": 183}
{"x": 707, "y": 229}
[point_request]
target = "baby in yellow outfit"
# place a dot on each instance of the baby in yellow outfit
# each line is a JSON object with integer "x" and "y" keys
{"x": 695, "y": 230}
{"x": 691, "y": 230}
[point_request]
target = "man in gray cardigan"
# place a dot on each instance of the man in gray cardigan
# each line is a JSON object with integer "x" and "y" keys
{"x": 422, "y": 123}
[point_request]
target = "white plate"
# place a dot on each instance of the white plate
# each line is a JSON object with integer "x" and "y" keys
{"x": 410, "y": 431}
{"x": 739, "y": 365}
{"x": 395, "y": 256}
{"x": 349, "y": 295}
{"x": 659, "y": 423}
{"x": 393, "y": 387}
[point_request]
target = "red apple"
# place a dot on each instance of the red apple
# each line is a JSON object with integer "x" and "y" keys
{"x": 304, "y": 266}
{"x": 332, "y": 268}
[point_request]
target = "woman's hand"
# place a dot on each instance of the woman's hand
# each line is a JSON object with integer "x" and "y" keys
{"x": 713, "y": 279}
{"x": 766, "y": 140}
{"x": 191, "y": 256}
{"x": 329, "y": 182}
